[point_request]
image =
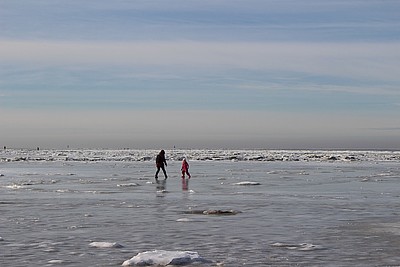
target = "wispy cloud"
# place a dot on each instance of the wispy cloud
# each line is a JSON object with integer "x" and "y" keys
{"x": 386, "y": 129}
{"x": 232, "y": 20}
{"x": 353, "y": 60}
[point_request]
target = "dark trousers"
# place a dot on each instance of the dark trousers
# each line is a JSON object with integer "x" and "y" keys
{"x": 163, "y": 169}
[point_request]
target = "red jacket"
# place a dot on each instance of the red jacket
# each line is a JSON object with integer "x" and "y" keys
{"x": 185, "y": 165}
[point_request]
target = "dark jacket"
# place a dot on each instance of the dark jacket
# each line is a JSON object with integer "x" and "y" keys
{"x": 160, "y": 160}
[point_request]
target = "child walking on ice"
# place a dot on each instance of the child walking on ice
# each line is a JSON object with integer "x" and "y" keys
{"x": 185, "y": 168}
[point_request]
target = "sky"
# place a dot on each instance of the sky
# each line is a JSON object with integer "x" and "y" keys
{"x": 230, "y": 74}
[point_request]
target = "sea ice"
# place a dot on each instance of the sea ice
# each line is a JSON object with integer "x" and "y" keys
{"x": 164, "y": 258}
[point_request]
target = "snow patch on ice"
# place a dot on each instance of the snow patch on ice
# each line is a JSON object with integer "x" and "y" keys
{"x": 55, "y": 262}
{"x": 106, "y": 245}
{"x": 247, "y": 183}
{"x": 184, "y": 220}
{"x": 14, "y": 186}
{"x": 128, "y": 185}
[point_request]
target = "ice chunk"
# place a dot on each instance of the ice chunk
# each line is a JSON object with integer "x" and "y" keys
{"x": 164, "y": 258}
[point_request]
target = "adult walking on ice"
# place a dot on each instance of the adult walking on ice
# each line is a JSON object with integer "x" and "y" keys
{"x": 160, "y": 161}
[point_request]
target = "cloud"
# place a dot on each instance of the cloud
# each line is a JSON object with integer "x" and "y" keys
{"x": 380, "y": 61}
{"x": 309, "y": 86}
{"x": 231, "y": 20}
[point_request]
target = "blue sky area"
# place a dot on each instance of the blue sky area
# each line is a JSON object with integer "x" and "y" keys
{"x": 274, "y": 74}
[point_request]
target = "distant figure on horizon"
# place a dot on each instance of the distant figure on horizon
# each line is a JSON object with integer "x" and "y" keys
{"x": 185, "y": 168}
{"x": 160, "y": 160}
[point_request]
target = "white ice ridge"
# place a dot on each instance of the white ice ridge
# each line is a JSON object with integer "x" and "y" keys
{"x": 105, "y": 245}
{"x": 164, "y": 258}
{"x": 127, "y": 155}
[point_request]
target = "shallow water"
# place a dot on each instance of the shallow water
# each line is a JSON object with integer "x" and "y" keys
{"x": 301, "y": 214}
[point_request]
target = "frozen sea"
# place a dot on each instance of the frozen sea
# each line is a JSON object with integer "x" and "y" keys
{"x": 279, "y": 208}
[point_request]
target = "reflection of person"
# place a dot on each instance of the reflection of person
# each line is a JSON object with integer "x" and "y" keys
{"x": 185, "y": 184}
{"x": 160, "y": 161}
{"x": 185, "y": 169}
{"x": 161, "y": 186}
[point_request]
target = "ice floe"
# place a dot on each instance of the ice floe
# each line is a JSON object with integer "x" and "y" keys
{"x": 164, "y": 258}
